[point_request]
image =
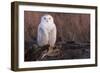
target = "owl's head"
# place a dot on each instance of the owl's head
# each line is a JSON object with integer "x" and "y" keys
{"x": 47, "y": 19}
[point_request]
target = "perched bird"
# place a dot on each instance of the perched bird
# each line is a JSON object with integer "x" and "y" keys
{"x": 47, "y": 33}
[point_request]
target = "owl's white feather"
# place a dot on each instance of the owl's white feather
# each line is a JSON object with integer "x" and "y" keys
{"x": 46, "y": 31}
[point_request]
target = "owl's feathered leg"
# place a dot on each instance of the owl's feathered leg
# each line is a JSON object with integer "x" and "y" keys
{"x": 48, "y": 53}
{"x": 52, "y": 52}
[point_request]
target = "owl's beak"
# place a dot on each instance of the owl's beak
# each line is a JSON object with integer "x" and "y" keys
{"x": 47, "y": 21}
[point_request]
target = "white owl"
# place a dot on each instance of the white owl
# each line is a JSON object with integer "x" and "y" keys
{"x": 47, "y": 32}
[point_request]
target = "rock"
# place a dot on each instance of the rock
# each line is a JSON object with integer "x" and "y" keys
{"x": 61, "y": 51}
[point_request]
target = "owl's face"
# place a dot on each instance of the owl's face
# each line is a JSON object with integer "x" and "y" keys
{"x": 47, "y": 19}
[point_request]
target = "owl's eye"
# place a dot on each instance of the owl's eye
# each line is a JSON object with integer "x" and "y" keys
{"x": 44, "y": 18}
{"x": 49, "y": 18}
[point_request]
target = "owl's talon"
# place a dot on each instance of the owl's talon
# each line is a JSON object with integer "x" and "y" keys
{"x": 53, "y": 52}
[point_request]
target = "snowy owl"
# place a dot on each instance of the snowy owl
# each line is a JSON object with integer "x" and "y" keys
{"x": 47, "y": 32}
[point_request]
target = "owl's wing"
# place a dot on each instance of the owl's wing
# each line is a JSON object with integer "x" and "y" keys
{"x": 42, "y": 38}
{"x": 52, "y": 37}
